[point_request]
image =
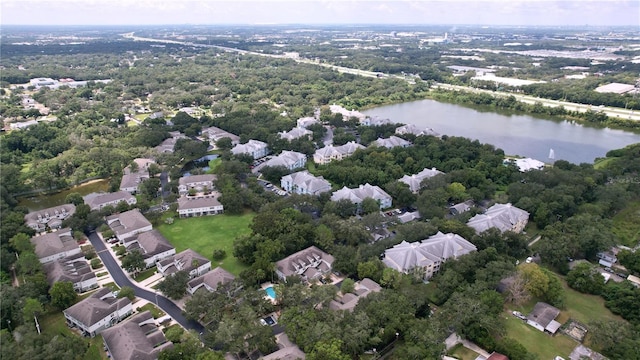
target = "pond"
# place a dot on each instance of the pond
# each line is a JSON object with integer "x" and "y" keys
{"x": 201, "y": 163}
{"x": 43, "y": 201}
{"x": 516, "y": 134}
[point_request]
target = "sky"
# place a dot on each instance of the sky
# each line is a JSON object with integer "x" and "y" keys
{"x": 427, "y": 12}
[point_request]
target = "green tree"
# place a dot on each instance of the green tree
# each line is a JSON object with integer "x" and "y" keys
{"x": 369, "y": 206}
{"x": 74, "y": 198}
{"x": 175, "y": 286}
{"x": 348, "y": 286}
{"x": 371, "y": 269}
{"x": 133, "y": 262}
{"x": 31, "y": 308}
{"x": 21, "y": 243}
{"x": 126, "y": 292}
{"x": 586, "y": 278}
{"x": 328, "y": 350}
{"x": 63, "y": 295}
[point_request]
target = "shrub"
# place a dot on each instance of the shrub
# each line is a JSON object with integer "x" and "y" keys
{"x": 219, "y": 254}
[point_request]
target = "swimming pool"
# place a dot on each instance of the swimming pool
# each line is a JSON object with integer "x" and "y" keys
{"x": 271, "y": 292}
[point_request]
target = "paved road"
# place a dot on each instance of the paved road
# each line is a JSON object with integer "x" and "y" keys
{"x": 122, "y": 280}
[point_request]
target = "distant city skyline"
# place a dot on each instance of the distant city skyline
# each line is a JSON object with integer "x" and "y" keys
{"x": 424, "y": 12}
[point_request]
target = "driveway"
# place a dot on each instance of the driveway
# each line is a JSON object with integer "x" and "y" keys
{"x": 122, "y": 280}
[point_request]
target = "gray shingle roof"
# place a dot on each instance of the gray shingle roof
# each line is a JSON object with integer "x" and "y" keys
{"x": 127, "y": 221}
{"x": 305, "y": 259}
{"x": 360, "y": 193}
{"x": 153, "y": 243}
{"x": 54, "y": 243}
{"x": 212, "y": 278}
{"x": 65, "y": 270}
{"x": 185, "y": 203}
{"x": 187, "y": 180}
{"x": 96, "y": 307}
{"x": 286, "y": 159}
{"x": 500, "y": 216}
{"x": 136, "y": 339}
{"x": 95, "y": 200}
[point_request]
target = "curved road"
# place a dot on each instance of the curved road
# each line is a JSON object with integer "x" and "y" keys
{"x": 122, "y": 280}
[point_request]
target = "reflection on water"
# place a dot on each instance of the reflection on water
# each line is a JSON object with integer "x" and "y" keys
{"x": 38, "y": 202}
{"x": 516, "y": 134}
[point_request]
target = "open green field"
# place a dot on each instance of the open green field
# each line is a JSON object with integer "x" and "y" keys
{"x": 54, "y": 324}
{"x": 462, "y": 353}
{"x": 601, "y": 163}
{"x": 538, "y": 342}
{"x": 585, "y": 308}
{"x": 626, "y": 224}
{"x": 207, "y": 233}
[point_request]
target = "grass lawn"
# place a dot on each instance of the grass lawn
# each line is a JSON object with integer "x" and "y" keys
{"x": 213, "y": 165}
{"x": 143, "y": 275}
{"x": 537, "y": 342}
{"x": 626, "y": 224}
{"x": 54, "y": 324}
{"x": 154, "y": 310}
{"x": 207, "y": 233}
{"x": 461, "y": 352}
{"x": 585, "y": 308}
{"x": 602, "y": 162}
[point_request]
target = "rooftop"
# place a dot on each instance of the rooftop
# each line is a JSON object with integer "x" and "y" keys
{"x": 54, "y": 243}
{"x": 138, "y": 338}
{"x": 96, "y": 307}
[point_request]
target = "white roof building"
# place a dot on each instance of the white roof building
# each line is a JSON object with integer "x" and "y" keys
{"x": 391, "y": 142}
{"x": 362, "y": 192}
{"x": 504, "y": 217}
{"x": 528, "y": 164}
{"x": 305, "y": 122}
{"x": 616, "y": 88}
{"x": 424, "y": 257}
{"x": 255, "y": 148}
{"x": 330, "y": 152}
{"x": 413, "y": 129}
{"x": 289, "y": 159}
{"x": 296, "y": 133}
{"x": 415, "y": 180}
{"x": 302, "y": 182}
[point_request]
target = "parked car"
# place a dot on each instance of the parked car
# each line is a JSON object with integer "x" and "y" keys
{"x": 519, "y": 315}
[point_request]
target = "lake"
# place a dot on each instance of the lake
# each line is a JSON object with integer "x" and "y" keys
{"x": 44, "y": 201}
{"x": 522, "y": 135}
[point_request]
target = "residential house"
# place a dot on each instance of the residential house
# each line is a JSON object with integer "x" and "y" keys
{"x": 74, "y": 269}
{"x": 210, "y": 280}
{"x": 391, "y": 142}
{"x": 424, "y": 258}
{"x": 49, "y": 218}
{"x": 310, "y": 263}
{"x": 55, "y": 245}
{"x": 460, "y": 208}
{"x": 197, "y": 182}
{"x": 414, "y": 181}
{"x": 152, "y": 245}
{"x": 347, "y": 114}
{"x": 497, "y": 356}
{"x": 414, "y": 130}
{"x": 408, "y": 216}
{"x": 302, "y": 182}
{"x": 329, "y": 153}
{"x": 287, "y": 353}
{"x": 607, "y": 258}
{"x": 257, "y": 149}
{"x": 289, "y": 159}
{"x": 132, "y": 179}
{"x": 199, "y": 206}
{"x": 634, "y": 280}
{"x": 135, "y": 339}
{"x": 349, "y": 301}
{"x": 128, "y": 224}
{"x": 296, "y": 133}
{"x": 543, "y": 316}
{"x": 97, "y": 201}
{"x": 362, "y": 192}
{"x": 168, "y": 145}
{"x": 504, "y": 217}
{"x": 188, "y": 260}
{"x": 98, "y": 312}
{"x": 526, "y": 164}
{"x": 213, "y": 134}
{"x": 305, "y": 122}
{"x": 375, "y": 121}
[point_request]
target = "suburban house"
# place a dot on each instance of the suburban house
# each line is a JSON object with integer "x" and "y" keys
{"x": 362, "y": 192}
{"x": 347, "y": 114}
{"x": 189, "y": 261}
{"x": 543, "y": 316}
{"x": 210, "y": 280}
{"x": 504, "y": 217}
{"x": 526, "y": 164}
{"x": 257, "y": 149}
{"x": 375, "y": 121}
{"x": 287, "y": 353}
{"x": 391, "y": 142}
{"x": 135, "y": 339}
{"x": 55, "y": 245}
{"x": 131, "y": 179}
{"x": 289, "y": 159}
{"x": 213, "y": 134}
{"x": 50, "y": 218}
{"x": 415, "y": 180}
{"x": 310, "y": 263}
{"x": 349, "y": 301}
{"x": 199, "y": 206}
{"x": 305, "y": 122}
{"x": 302, "y": 182}
{"x": 74, "y": 269}
{"x": 97, "y": 201}
{"x": 296, "y": 133}
{"x": 329, "y": 153}
{"x": 409, "y": 216}
{"x": 98, "y": 312}
{"x": 634, "y": 280}
{"x": 414, "y": 130}
{"x": 169, "y": 144}
{"x": 460, "y": 208}
{"x": 607, "y": 258}
{"x": 197, "y": 182}
{"x": 423, "y": 258}
{"x": 152, "y": 245}
{"x": 128, "y": 224}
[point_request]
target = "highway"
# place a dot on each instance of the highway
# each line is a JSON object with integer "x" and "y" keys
{"x": 121, "y": 279}
{"x": 612, "y": 112}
